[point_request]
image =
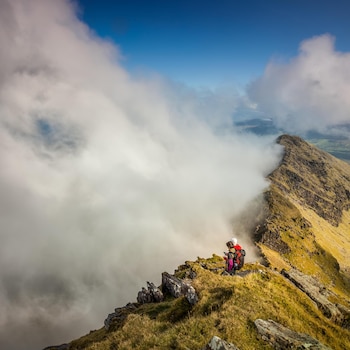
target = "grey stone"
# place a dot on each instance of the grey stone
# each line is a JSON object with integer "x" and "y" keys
{"x": 282, "y": 338}
{"x": 119, "y": 315}
{"x": 151, "y": 295}
{"x": 317, "y": 292}
{"x": 177, "y": 288}
{"x": 217, "y": 343}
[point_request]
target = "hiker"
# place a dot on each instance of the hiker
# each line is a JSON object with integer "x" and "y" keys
{"x": 235, "y": 256}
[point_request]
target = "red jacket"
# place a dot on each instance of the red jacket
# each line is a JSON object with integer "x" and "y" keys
{"x": 237, "y": 247}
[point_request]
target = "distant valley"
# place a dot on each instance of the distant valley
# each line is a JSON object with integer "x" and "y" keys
{"x": 337, "y": 145}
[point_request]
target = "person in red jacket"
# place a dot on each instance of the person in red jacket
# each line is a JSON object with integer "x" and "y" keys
{"x": 235, "y": 256}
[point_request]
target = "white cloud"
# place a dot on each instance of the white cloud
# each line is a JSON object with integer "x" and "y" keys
{"x": 308, "y": 92}
{"x": 105, "y": 180}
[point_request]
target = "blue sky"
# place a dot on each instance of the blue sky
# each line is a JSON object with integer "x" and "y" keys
{"x": 210, "y": 43}
{"x": 88, "y": 143}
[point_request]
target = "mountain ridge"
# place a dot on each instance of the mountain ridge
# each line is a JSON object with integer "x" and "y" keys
{"x": 302, "y": 282}
{"x": 316, "y": 186}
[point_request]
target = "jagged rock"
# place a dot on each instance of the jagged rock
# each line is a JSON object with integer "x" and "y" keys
{"x": 144, "y": 296}
{"x": 217, "y": 343}
{"x": 157, "y": 294}
{"x": 172, "y": 284}
{"x": 270, "y": 237}
{"x": 151, "y": 295}
{"x": 339, "y": 314}
{"x": 177, "y": 288}
{"x": 191, "y": 295}
{"x": 282, "y": 338}
{"x": 119, "y": 315}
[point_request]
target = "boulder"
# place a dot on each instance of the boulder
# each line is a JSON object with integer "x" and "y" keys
{"x": 217, "y": 343}
{"x": 144, "y": 296}
{"x": 339, "y": 314}
{"x": 191, "y": 295}
{"x": 119, "y": 315}
{"x": 151, "y": 295}
{"x": 156, "y": 293}
{"x": 282, "y": 338}
{"x": 177, "y": 288}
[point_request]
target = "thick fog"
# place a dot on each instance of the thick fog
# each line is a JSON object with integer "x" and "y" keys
{"x": 308, "y": 92}
{"x": 106, "y": 180}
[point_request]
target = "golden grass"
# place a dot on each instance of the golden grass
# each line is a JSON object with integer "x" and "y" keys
{"x": 274, "y": 258}
{"x": 334, "y": 239}
{"x": 227, "y": 307}
{"x": 306, "y": 234}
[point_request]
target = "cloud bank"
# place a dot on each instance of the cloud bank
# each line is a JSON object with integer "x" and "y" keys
{"x": 105, "y": 180}
{"x": 310, "y": 92}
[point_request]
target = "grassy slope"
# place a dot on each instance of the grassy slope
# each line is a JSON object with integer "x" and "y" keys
{"x": 320, "y": 247}
{"x": 319, "y": 250}
{"x": 228, "y": 306}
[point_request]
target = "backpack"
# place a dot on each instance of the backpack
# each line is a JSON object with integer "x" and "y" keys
{"x": 239, "y": 258}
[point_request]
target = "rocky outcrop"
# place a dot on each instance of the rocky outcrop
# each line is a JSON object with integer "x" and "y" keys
{"x": 217, "y": 343}
{"x": 177, "y": 288}
{"x": 151, "y": 295}
{"x": 282, "y": 338}
{"x": 170, "y": 284}
{"x": 119, "y": 315}
{"x": 313, "y": 177}
{"x": 339, "y": 314}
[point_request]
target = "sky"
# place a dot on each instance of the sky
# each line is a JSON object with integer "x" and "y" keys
{"x": 209, "y": 43}
{"x": 119, "y": 158}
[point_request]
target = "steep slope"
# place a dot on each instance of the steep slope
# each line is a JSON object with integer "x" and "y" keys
{"x": 307, "y": 217}
{"x": 303, "y": 284}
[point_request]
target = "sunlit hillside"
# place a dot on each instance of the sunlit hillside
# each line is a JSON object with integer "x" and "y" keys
{"x": 301, "y": 282}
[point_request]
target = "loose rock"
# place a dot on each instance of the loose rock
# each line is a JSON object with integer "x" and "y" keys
{"x": 177, "y": 288}
{"x": 282, "y": 338}
{"x": 217, "y": 343}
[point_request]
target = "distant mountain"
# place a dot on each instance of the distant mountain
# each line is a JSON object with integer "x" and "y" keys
{"x": 258, "y": 126}
{"x": 335, "y": 144}
{"x": 296, "y": 296}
